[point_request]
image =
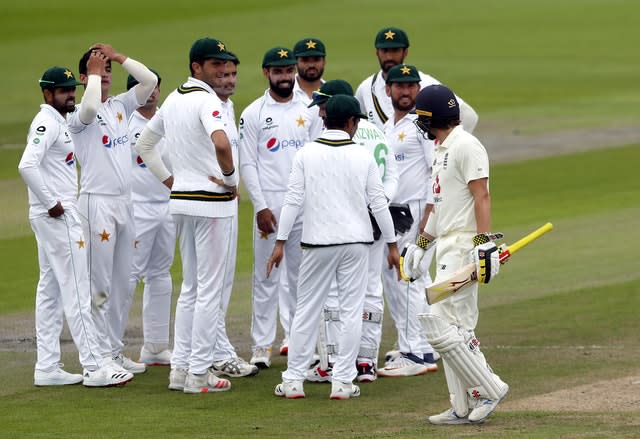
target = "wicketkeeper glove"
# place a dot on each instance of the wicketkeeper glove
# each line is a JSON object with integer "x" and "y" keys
{"x": 486, "y": 256}
{"x": 411, "y": 258}
{"x": 375, "y": 227}
{"x": 401, "y": 216}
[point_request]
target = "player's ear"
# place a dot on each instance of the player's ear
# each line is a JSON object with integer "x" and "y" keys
{"x": 387, "y": 88}
{"x": 48, "y": 95}
{"x": 265, "y": 72}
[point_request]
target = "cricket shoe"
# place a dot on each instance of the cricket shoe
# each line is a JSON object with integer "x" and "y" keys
{"x": 56, "y": 377}
{"x": 149, "y": 358}
{"x": 261, "y": 357}
{"x": 318, "y": 375}
{"x": 284, "y": 347}
{"x": 177, "y": 377}
{"x": 391, "y": 355}
{"x": 430, "y": 361}
{"x": 128, "y": 364}
{"x": 486, "y": 407}
{"x": 405, "y": 365}
{"x": 108, "y": 375}
{"x": 449, "y": 417}
{"x": 205, "y": 383}
{"x": 290, "y": 389}
{"x": 234, "y": 367}
{"x": 366, "y": 371}
{"x": 344, "y": 390}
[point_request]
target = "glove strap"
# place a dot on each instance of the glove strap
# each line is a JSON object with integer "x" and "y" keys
{"x": 422, "y": 242}
{"x": 480, "y": 238}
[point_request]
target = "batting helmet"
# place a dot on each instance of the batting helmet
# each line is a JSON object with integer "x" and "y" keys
{"x": 437, "y": 107}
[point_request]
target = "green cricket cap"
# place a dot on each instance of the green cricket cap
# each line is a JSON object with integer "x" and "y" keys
{"x": 329, "y": 89}
{"x": 277, "y": 57}
{"x": 309, "y": 47}
{"x": 343, "y": 106}
{"x": 55, "y": 77}
{"x": 391, "y": 37}
{"x": 403, "y": 73}
{"x": 206, "y": 48}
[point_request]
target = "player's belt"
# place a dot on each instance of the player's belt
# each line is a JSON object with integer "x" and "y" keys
{"x": 201, "y": 196}
{"x": 307, "y": 245}
{"x": 376, "y": 103}
{"x": 330, "y": 142}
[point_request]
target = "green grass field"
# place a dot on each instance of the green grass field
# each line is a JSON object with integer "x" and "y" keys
{"x": 562, "y": 314}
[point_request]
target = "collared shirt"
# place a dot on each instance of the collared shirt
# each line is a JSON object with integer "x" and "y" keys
{"x": 333, "y": 180}
{"x": 48, "y": 163}
{"x": 460, "y": 159}
{"x": 187, "y": 119}
{"x": 414, "y": 157}
{"x": 270, "y": 134}
{"x": 145, "y": 187}
{"x": 103, "y": 148}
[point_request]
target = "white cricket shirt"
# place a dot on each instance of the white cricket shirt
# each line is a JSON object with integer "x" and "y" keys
{"x": 187, "y": 119}
{"x": 373, "y": 139}
{"x": 48, "y": 163}
{"x": 460, "y": 159}
{"x": 270, "y": 134}
{"x": 414, "y": 158}
{"x": 103, "y": 148}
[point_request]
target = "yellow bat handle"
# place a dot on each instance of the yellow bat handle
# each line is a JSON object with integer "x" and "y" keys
{"x": 530, "y": 237}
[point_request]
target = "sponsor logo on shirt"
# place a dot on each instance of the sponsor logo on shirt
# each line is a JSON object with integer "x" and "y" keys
{"x": 101, "y": 121}
{"x": 40, "y": 130}
{"x": 70, "y": 159}
{"x": 400, "y": 157}
{"x": 273, "y": 144}
{"x": 140, "y": 162}
{"x": 108, "y": 142}
{"x": 216, "y": 114}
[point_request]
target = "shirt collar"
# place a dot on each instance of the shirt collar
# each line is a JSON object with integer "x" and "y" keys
{"x": 193, "y": 81}
{"x": 335, "y": 135}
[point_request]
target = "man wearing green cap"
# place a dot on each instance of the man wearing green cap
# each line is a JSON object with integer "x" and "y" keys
{"x": 155, "y": 240}
{"x": 336, "y": 237}
{"x": 49, "y": 170}
{"x": 310, "y": 58}
{"x": 392, "y": 47}
{"x": 272, "y": 129}
{"x": 203, "y": 203}
{"x": 414, "y": 156}
{"x": 101, "y": 136}
{"x": 373, "y": 140}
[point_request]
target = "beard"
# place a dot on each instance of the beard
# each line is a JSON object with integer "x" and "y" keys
{"x": 314, "y": 75}
{"x": 68, "y": 106}
{"x": 387, "y": 65}
{"x": 403, "y": 107}
{"x": 284, "y": 89}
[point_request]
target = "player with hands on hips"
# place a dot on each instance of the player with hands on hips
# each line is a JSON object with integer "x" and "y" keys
{"x": 49, "y": 170}
{"x": 461, "y": 220}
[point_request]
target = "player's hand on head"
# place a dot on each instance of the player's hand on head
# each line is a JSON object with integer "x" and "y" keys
{"x": 109, "y": 52}
{"x": 486, "y": 256}
{"x": 96, "y": 63}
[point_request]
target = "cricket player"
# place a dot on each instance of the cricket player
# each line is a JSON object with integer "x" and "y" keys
{"x": 310, "y": 56}
{"x": 461, "y": 222}
{"x": 272, "y": 129}
{"x": 101, "y": 136}
{"x": 155, "y": 241}
{"x": 225, "y": 359}
{"x": 414, "y": 156}
{"x": 335, "y": 239}
{"x": 373, "y": 140}
{"x": 49, "y": 170}
{"x": 392, "y": 47}
{"x": 203, "y": 204}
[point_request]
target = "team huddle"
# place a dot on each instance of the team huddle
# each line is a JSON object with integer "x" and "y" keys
{"x": 353, "y": 194}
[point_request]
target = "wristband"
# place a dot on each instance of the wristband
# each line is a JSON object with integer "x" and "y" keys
{"x": 422, "y": 242}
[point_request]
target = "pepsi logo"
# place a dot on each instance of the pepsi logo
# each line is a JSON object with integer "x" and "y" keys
{"x": 216, "y": 114}
{"x": 70, "y": 159}
{"x": 140, "y": 162}
{"x": 273, "y": 145}
{"x": 106, "y": 141}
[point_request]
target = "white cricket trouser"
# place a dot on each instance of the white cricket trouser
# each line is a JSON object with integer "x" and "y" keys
{"x": 204, "y": 246}
{"x": 405, "y": 300}
{"x": 373, "y": 306}
{"x": 108, "y": 225}
{"x": 268, "y": 293}
{"x": 348, "y": 265}
{"x": 453, "y": 251}
{"x": 63, "y": 289}
{"x": 223, "y": 349}
{"x": 154, "y": 247}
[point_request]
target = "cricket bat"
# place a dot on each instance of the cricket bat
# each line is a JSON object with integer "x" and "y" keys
{"x": 467, "y": 274}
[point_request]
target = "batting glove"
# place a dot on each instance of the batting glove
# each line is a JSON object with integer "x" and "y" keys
{"x": 486, "y": 256}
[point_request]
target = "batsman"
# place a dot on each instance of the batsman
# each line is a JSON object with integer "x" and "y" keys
{"x": 461, "y": 221}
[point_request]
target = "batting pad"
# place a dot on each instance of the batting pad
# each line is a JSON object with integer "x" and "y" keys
{"x": 464, "y": 358}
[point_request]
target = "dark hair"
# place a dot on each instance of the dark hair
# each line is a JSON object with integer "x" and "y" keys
{"x": 82, "y": 65}
{"x": 336, "y": 123}
{"x": 445, "y": 122}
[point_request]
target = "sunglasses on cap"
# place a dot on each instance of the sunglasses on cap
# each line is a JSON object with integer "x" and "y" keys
{"x": 317, "y": 97}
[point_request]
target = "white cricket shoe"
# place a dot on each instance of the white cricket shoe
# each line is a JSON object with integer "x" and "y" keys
{"x": 261, "y": 357}
{"x": 318, "y": 375}
{"x": 56, "y": 377}
{"x": 344, "y": 390}
{"x": 128, "y": 364}
{"x": 108, "y": 375}
{"x": 177, "y": 377}
{"x": 149, "y": 358}
{"x": 486, "y": 407}
{"x": 234, "y": 367}
{"x": 405, "y": 365}
{"x": 448, "y": 417}
{"x": 366, "y": 371}
{"x": 205, "y": 383}
{"x": 290, "y": 389}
